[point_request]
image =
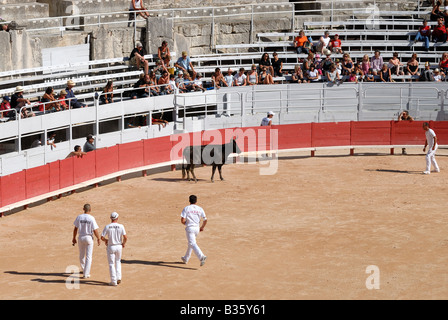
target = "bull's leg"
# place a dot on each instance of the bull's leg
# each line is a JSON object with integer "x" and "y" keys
{"x": 192, "y": 173}
{"x": 220, "y": 172}
{"x": 183, "y": 171}
{"x": 213, "y": 172}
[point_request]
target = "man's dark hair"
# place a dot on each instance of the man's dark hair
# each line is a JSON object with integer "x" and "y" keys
{"x": 77, "y": 147}
{"x": 87, "y": 208}
{"x": 193, "y": 199}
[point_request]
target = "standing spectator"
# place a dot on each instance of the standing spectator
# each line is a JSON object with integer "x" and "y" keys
{"x": 423, "y": 34}
{"x": 240, "y": 78}
{"x": 6, "y": 105}
{"x": 51, "y": 140}
{"x": 443, "y": 64}
{"x": 324, "y": 41}
{"x": 336, "y": 44}
{"x": 107, "y": 95}
{"x": 137, "y": 58}
{"x": 252, "y": 76}
{"x": 277, "y": 65}
{"x": 439, "y": 33}
{"x": 404, "y": 116}
{"x": 395, "y": 65}
{"x": 302, "y": 43}
{"x": 431, "y": 143}
{"x": 89, "y": 145}
{"x": 266, "y": 62}
{"x": 229, "y": 78}
{"x": 18, "y": 102}
{"x": 184, "y": 64}
{"x": 138, "y": 7}
{"x": 385, "y": 74}
{"x": 377, "y": 62}
{"x": 73, "y": 102}
{"x": 115, "y": 238}
{"x": 163, "y": 53}
{"x": 412, "y": 66}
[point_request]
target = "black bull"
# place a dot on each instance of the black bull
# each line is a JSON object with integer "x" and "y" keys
{"x": 211, "y": 154}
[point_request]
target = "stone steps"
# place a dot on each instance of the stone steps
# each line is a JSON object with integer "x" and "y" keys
{"x": 23, "y": 10}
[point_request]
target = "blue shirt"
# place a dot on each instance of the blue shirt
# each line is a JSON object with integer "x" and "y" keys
{"x": 184, "y": 63}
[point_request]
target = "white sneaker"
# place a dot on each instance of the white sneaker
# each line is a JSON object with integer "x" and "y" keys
{"x": 86, "y": 276}
{"x": 426, "y": 172}
{"x": 203, "y": 260}
{"x": 184, "y": 260}
{"x": 113, "y": 284}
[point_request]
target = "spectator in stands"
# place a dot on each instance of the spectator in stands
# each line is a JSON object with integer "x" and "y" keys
{"x": 163, "y": 53}
{"x": 313, "y": 74}
{"x": 327, "y": 62}
{"x": 107, "y": 96}
{"x": 358, "y": 72}
{"x": 137, "y": 58}
{"x": 336, "y": 44}
{"x": 443, "y": 64}
{"x": 436, "y": 11}
{"x": 164, "y": 83}
{"x": 50, "y": 101}
{"x": 218, "y": 79}
{"x": 252, "y": 76}
{"x": 172, "y": 83}
{"x": 318, "y": 63}
{"x": 77, "y": 152}
{"x": 385, "y": 74}
{"x": 62, "y": 101}
{"x": 347, "y": 65}
{"x": 141, "y": 89}
{"x": 138, "y": 7}
{"x": 89, "y": 145}
{"x": 377, "y": 62}
{"x": 369, "y": 76}
{"x": 153, "y": 88}
{"x": 423, "y": 34}
{"x": 73, "y": 102}
{"x": 265, "y": 77}
{"x": 297, "y": 76}
{"x": 427, "y": 74}
{"x": 302, "y": 43}
{"x": 240, "y": 79}
{"x": 51, "y": 140}
{"x": 185, "y": 65}
{"x": 365, "y": 64}
{"x": 180, "y": 82}
{"x": 159, "y": 68}
{"x": 404, "y": 116}
{"x": 333, "y": 75}
{"x": 395, "y": 65}
{"x": 18, "y": 102}
{"x": 437, "y": 75}
{"x": 277, "y": 65}
{"x": 229, "y": 78}
{"x": 197, "y": 83}
{"x": 308, "y": 62}
{"x": 323, "y": 43}
{"x": 4, "y": 26}
{"x": 439, "y": 33}
{"x": 412, "y": 66}
{"x": 266, "y": 62}
{"x": 6, "y": 105}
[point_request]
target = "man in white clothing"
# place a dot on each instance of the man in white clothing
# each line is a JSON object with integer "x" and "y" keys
{"x": 115, "y": 238}
{"x": 267, "y": 121}
{"x": 431, "y": 143}
{"x": 86, "y": 226}
{"x": 191, "y": 217}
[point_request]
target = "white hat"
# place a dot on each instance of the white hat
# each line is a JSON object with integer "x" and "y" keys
{"x": 18, "y": 89}
{"x": 114, "y": 215}
{"x": 71, "y": 83}
{"x": 327, "y": 52}
{"x": 270, "y": 113}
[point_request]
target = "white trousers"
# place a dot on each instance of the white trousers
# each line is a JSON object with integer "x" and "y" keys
{"x": 85, "y": 244}
{"x": 192, "y": 233}
{"x": 431, "y": 159}
{"x": 114, "y": 259}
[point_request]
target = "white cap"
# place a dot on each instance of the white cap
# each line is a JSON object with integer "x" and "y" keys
{"x": 114, "y": 215}
{"x": 270, "y": 113}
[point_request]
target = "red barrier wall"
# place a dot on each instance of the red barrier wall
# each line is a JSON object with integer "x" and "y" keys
{"x": 96, "y": 164}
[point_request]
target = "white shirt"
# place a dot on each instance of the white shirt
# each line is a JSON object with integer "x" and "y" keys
{"x": 240, "y": 78}
{"x": 193, "y": 215}
{"x": 114, "y": 232}
{"x": 138, "y": 5}
{"x": 86, "y": 224}
{"x": 229, "y": 80}
{"x": 265, "y": 121}
{"x": 430, "y": 134}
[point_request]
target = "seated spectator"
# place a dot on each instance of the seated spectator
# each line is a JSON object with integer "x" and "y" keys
{"x": 423, "y": 34}
{"x": 385, "y": 74}
{"x": 338, "y": 66}
{"x": 347, "y": 65}
{"x": 358, "y": 72}
{"x": 197, "y": 83}
{"x": 61, "y": 99}
{"x": 352, "y": 77}
{"x": 439, "y": 33}
{"x": 369, "y": 77}
{"x": 395, "y": 65}
{"x": 412, "y": 66}
{"x": 49, "y": 101}
{"x": 163, "y": 53}
{"x": 136, "y": 9}
{"x": 218, "y": 79}
{"x": 180, "y": 82}
{"x": 154, "y": 90}
{"x": 159, "y": 68}
{"x": 188, "y": 82}
{"x": 164, "y": 84}
{"x": 137, "y": 58}
{"x": 323, "y": 43}
{"x": 335, "y": 44}
{"x": 443, "y": 64}
{"x": 427, "y": 74}
{"x": 172, "y": 83}
{"x": 77, "y": 152}
{"x": 265, "y": 77}
{"x": 277, "y": 65}
{"x": 6, "y": 105}
{"x": 313, "y": 74}
{"x": 297, "y": 76}
{"x": 266, "y": 62}
{"x": 185, "y": 65}
{"x": 252, "y": 76}
{"x": 89, "y": 145}
{"x": 302, "y": 43}
{"x": 240, "y": 79}
{"x": 73, "y": 102}
{"x": 18, "y": 102}
{"x": 332, "y": 75}
{"x": 107, "y": 95}
{"x": 377, "y": 62}
{"x": 437, "y": 75}
{"x": 141, "y": 89}
{"x": 308, "y": 62}
{"x": 159, "y": 122}
{"x": 318, "y": 63}
{"x": 365, "y": 64}
{"x": 327, "y": 62}
{"x": 229, "y": 77}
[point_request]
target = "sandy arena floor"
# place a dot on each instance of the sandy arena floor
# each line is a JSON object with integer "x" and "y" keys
{"x": 307, "y": 232}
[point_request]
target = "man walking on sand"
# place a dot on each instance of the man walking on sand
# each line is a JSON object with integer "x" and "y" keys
{"x": 431, "y": 143}
{"x": 191, "y": 217}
